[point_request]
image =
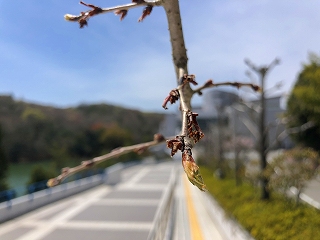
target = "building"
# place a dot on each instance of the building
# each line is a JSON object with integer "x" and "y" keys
{"x": 225, "y": 119}
{"x": 244, "y": 120}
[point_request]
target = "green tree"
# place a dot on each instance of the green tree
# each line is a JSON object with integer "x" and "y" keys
{"x": 114, "y": 137}
{"x": 3, "y": 165}
{"x": 304, "y": 104}
{"x": 98, "y": 140}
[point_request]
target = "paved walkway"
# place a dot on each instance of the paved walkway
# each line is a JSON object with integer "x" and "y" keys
{"x": 193, "y": 220}
{"x": 121, "y": 212}
{"x": 311, "y": 193}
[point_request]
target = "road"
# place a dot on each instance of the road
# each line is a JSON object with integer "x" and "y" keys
{"x": 121, "y": 212}
{"x": 128, "y": 209}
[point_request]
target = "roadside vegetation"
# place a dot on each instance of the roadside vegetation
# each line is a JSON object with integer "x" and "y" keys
{"x": 278, "y": 218}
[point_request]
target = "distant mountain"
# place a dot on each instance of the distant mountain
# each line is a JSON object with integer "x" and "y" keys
{"x": 34, "y": 132}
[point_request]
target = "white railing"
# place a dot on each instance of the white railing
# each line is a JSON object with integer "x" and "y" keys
{"x": 162, "y": 226}
{"x": 27, "y": 203}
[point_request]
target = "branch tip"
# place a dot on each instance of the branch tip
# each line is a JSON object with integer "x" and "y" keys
{"x": 138, "y": 148}
{"x": 192, "y": 170}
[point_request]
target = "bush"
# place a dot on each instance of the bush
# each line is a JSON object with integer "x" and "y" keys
{"x": 277, "y": 218}
{"x": 292, "y": 168}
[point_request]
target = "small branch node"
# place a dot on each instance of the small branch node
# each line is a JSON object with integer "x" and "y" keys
{"x": 158, "y": 137}
{"x": 188, "y": 79}
{"x": 87, "y": 163}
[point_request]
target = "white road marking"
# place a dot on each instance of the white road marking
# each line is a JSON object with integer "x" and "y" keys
{"x": 93, "y": 225}
{"x": 142, "y": 187}
{"x": 128, "y": 202}
{"x": 135, "y": 178}
{"x": 63, "y": 217}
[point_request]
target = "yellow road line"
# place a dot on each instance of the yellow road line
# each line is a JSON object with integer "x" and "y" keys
{"x": 195, "y": 229}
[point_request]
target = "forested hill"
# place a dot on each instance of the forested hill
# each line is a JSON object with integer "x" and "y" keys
{"x": 35, "y": 132}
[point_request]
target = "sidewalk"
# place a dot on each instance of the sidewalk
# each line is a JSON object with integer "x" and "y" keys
{"x": 200, "y": 217}
{"x": 311, "y": 193}
{"x": 193, "y": 221}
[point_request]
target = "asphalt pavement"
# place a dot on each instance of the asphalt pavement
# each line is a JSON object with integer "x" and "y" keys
{"x": 125, "y": 211}
{"x": 128, "y": 209}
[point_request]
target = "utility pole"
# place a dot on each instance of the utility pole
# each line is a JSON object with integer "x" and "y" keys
{"x": 262, "y": 72}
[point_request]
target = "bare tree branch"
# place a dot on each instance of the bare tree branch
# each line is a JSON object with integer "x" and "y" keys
{"x": 287, "y": 132}
{"x": 122, "y": 10}
{"x": 190, "y": 130}
{"x": 179, "y": 51}
{"x": 139, "y": 148}
{"x": 238, "y": 85}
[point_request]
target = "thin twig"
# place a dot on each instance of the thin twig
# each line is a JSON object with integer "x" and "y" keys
{"x": 83, "y": 17}
{"x": 139, "y": 148}
{"x": 238, "y": 85}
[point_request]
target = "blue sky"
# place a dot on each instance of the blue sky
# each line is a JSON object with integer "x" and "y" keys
{"x": 46, "y": 60}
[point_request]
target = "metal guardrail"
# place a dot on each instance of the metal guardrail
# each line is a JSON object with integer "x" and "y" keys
{"x": 10, "y": 194}
{"x": 163, "y": 217}
{"x": 15, "y": 206}
{"x": 27, "y": 203}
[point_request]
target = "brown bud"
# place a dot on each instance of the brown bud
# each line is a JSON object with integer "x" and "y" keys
{"x": 255, "y": 88}
{"x": 122, "y": 13}
{"x": 194, "y": 130}
{"x": 175, "y": 145}
{"x": 83, "y": 22}
{"x": 158, "y": 137}
{"x": 172, "y": 98}
{"x": 147, "y": 11}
